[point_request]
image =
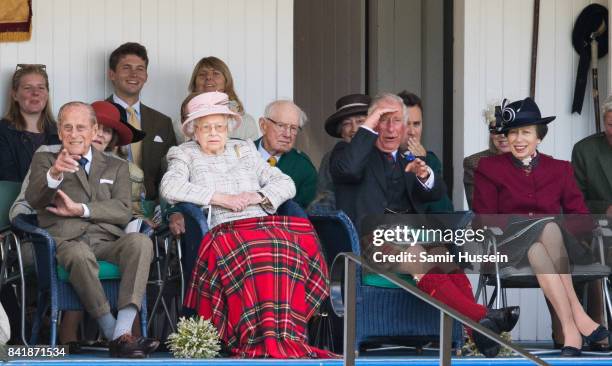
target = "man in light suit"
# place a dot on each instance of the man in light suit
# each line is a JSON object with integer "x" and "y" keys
{"x": 128, "y": 73}
{"x": 83, "y": 200}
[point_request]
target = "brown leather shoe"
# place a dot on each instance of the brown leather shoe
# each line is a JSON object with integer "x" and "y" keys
{"x": 126, "y": 346}
{"x": 148, "y": 344}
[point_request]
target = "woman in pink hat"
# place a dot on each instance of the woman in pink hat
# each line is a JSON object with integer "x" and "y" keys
{"x": 258, "y": 277}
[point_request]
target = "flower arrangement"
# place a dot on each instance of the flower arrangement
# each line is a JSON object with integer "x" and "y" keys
{"x": 194, "y": 338}
{"x": 469, "y": 347}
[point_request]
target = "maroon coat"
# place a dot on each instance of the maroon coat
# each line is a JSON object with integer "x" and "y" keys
{"x": 500, "y": 187}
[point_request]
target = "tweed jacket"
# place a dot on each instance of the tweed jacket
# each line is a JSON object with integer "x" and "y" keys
{"x": 470, "y": 164}
{"x": 158, "y": 140}
{"x": 592, "y": 161}
{"x": 194, "y": 177}
{"x": 106, "y": 192}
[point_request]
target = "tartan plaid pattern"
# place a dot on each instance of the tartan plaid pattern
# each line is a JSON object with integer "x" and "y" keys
{"x": 260, "y": 280}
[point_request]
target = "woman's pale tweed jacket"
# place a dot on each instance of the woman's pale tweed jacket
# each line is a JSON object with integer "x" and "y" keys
{"x": 193, "y": 176}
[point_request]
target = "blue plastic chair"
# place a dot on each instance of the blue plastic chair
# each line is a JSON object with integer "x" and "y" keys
{"x": 54, "y": 290}
{"x": 383, "y": 314}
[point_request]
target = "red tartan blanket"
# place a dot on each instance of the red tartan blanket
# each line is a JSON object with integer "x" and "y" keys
{"x": 260, "y": 280}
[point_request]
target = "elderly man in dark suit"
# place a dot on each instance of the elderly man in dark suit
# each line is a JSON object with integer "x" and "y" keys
{"x": 83, "y": 199}
{"x": 372, "y": 176}
{"x": 128, "y": 73}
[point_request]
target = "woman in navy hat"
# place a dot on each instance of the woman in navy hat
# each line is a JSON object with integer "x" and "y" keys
{"x": 351, "y": 112}
{"x": 527, "y": 183}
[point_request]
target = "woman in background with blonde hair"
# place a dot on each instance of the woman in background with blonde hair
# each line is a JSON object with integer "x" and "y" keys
{"x": 28, "y": 122}
{"x": 212, "y": 74}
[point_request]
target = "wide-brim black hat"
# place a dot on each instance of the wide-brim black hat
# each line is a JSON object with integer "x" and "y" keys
{"x": 347, "y": 106}
{"x": 519, "y": 114}
{"x": 587, "y": 23}
{"x": 138, "y": 135}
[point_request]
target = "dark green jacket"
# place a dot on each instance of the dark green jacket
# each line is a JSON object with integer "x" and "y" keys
{"x": 444, "y": 204}
{"x": 298, "y": 166}
{"x": 592, "y": 161}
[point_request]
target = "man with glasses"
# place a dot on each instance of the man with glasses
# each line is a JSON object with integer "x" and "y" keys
{"x": 280, "y": 126}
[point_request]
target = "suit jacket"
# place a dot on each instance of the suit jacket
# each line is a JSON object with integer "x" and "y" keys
{"x": 592, "y": 161}
{"x": 106, "y": 192}
{"x": 159, "y": 139}
{"x": 298, "y": 166}
{"x": 358, "y": 173}
{"x": 501, "y": 187}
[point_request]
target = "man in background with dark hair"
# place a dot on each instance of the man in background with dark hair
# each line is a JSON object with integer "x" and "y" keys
{"x": 412, "y": 143}
{"x": 127, "y": 70}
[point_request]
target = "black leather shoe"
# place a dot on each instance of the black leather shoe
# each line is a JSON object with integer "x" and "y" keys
{"x": 505, "y": 318}
{"x": 148, "y": 344}
{"x": 597, "y": 335}
{"x": 486, "y": 346}
{"x": 597, "y": 347}
{"x": 126, "y": 346}
{"x": 74, "y": 348}
{"x": 569, "y": 351}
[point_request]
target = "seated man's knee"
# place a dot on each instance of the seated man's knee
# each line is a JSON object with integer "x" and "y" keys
{"x": 140, "y": 244}
{"x": 75, "y": 253}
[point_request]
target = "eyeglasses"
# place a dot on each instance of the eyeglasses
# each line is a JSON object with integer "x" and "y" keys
{"x": 292, "y": 129}
{"x": 219, "y": 127}
{"x": 31, "y": 66}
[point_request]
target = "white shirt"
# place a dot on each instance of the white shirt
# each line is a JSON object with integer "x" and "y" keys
{"x": 265, "y": 154}
{"x": 54, "y": 183}
{"x": 135, "y": 106}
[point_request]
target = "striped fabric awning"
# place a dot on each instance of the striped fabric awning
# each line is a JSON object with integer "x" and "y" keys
{"x": 15, "y": 20}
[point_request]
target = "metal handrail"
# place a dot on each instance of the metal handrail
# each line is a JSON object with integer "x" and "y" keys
{"x": 347, "y": 310}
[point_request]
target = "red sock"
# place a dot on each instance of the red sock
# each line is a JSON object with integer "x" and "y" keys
{"x": 463, "y": 283}
{"x": 441, "y": 287}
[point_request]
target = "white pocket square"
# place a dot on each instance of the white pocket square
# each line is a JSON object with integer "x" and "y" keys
{"x": 158, "y": 139}
{"x": 106, "y": 181}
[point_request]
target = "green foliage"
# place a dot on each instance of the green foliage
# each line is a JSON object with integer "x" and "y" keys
{"x": 470, "y": 349}
{"x": 194, "y": 338}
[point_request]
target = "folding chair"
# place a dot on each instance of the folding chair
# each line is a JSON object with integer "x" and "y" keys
{"x": 524, "y": 277}
{"x": 166, "y": 269}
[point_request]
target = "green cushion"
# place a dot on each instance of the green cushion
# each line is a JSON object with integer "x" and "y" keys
{"x": 108, "y": 271}
{"x": 373, "y": 279}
